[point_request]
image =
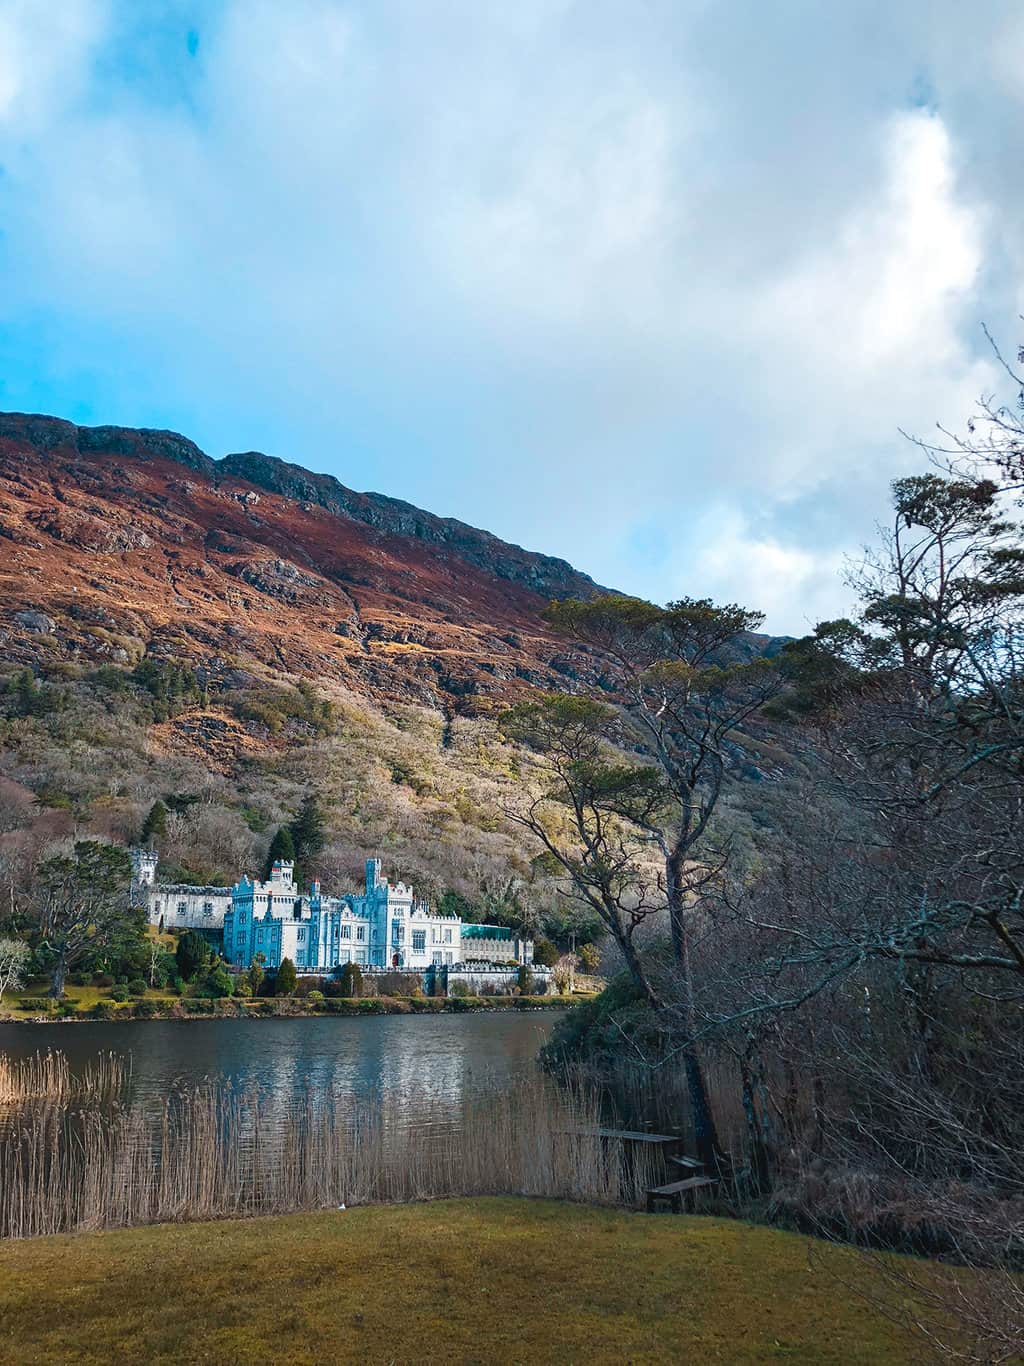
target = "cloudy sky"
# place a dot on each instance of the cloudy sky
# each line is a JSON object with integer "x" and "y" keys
{"x": 649, "y": 284}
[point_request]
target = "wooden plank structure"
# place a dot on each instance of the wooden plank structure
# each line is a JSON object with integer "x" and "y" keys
{"x": 677, "y": 1193}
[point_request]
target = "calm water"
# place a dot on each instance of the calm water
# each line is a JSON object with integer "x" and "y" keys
{"x": 442, "y": 1058}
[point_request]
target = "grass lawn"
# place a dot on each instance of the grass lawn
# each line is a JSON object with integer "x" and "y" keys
{"x": 494, "y": 1280}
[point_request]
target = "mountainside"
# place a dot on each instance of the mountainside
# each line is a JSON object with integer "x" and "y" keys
{"x": 229, "y": 636}
{"x": 116, "y": 543}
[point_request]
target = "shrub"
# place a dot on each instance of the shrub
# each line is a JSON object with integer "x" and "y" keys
{"x": 137, "y": 987}
{"x": 286, "y": 979}
{"x": 119, "y": 993}
{"x": 427, "y": 1005}
{"x": 35, "y": 1003}
{"x": 315, "y": 999}
{"x": 148, "y": 1009}
{"x": 198, "y": 1005}
{"x": 104, "y": 1010}
{"x": 525, "y": 980}
{"x": 458, "y": 989}
{"x": 103, "y": 979}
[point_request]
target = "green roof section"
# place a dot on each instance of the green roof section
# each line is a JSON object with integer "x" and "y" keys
{"x": 486, "y": 932}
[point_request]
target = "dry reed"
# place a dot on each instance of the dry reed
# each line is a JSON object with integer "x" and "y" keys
{"x": 48, "y": 1076}
{"x": 213, "y": 1153}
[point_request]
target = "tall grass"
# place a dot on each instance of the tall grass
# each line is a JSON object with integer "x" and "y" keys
{"x": 214, "y": 1153}
{"x": 47, "y": 1076}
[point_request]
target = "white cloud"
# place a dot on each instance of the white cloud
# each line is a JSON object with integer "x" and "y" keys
{"x": 550, "y": 267}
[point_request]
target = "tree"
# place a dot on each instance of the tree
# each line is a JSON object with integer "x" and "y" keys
{"x": 351, "y": 979}
{"x": 154, "y": 827}
{"x": 545, "y": 954}
{"x": 191, "y": 954}
{"x": 82, "y": 904}
{"x": 255, "y": 976}
{"x": 683, "y": 693}
{"x": 14, "y": 955}
{"x": 218, "y": 981}
{"x": 591, "y": 815}
{"x": 281, "y": 849}
{"x": 590, "y": 957}
{"x": 307, "y": 832}
{"x": 287, "y": 978}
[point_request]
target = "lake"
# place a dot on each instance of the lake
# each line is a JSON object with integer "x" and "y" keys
{"x": 440, "y": 1059}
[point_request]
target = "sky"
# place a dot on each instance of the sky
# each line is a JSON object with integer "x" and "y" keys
{"x": 653, "y": 285}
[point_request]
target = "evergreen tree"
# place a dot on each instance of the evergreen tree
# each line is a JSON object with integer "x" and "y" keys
{"x": 351, "y": 980}
{"x": 545, "y": 954}
{"x": 154, "y": 827}
{"x": 281, "y": 848}
{"x": 307, "y": 832}
{"x": 191, "y": 954}
{"x": 287, "y": 978}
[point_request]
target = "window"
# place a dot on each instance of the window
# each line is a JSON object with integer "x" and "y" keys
{"x": 208, "y": 908}
{"x": 448, "y": 940}
{"x": 183, "y": 908}
{"x": 158, "y": 907}
{"x": 433, "y": 934}
{"x": 438, "y": 958}
{"x": 360, "y": 956}
{"x": 447, "y": 958}
{"x": 302, "y": 935}
{"x": 346, "y": 931}
{"x": 360, "y": 931}
{"x": 419, "y": 941}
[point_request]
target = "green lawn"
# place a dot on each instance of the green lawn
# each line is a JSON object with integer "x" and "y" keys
{"x": 495, "y": 1280}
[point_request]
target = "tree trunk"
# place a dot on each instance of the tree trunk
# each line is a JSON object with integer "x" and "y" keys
{"x": 704, "y": 1128}
{"x": 57, "y": 974}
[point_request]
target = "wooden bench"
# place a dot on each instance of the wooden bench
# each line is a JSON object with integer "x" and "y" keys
{"x": 676, "y": 1192}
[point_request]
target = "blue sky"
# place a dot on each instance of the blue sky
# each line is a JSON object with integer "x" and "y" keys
{"x": 650, "y": 284}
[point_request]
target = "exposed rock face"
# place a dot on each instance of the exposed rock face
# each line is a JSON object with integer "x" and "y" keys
{"x": 114, "y": 541}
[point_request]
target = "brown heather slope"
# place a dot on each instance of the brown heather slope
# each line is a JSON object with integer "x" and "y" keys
{"x": 116, "y": 542}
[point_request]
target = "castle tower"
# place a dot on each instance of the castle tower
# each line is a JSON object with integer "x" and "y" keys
{"x": 373, "y": 875}
{"x": 144, "y": 863}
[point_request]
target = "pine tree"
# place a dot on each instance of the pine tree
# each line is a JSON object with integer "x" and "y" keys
{"x": 155, "y": 825}
{"x": 191, "y": 954}
{"x": 281, "y": 848}
{"x": 287, "y": 978}
{"x": 307, "y": 832}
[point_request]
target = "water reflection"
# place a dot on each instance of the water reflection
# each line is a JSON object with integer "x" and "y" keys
{"x": 421, "y": 1062}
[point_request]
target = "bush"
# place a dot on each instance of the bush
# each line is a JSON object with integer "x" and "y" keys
{"x": 525, "y": 981}
{"x": 35, "y": 1003}
{"x": 137, "y": 987}
{"x": 286, "y": 979}
{"x": 315, "y": 999}
{"x": 104, "y": 1010}
{"x": 427, "y": 1005}
{"x": 103, "y": 979}
{"x": 198, "y": 1005}
{"x": 148, "y": 1009}
{"x": 119, "y": 993}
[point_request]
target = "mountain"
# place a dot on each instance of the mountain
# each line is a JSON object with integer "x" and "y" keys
{"x": 117, "y": 542}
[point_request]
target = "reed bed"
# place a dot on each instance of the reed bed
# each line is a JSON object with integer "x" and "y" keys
{"x": 48, "y": 1076}
{"x": 214, "y": 1153}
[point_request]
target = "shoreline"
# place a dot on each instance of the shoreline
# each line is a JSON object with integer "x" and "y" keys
{"x": 289, "y": 1008}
